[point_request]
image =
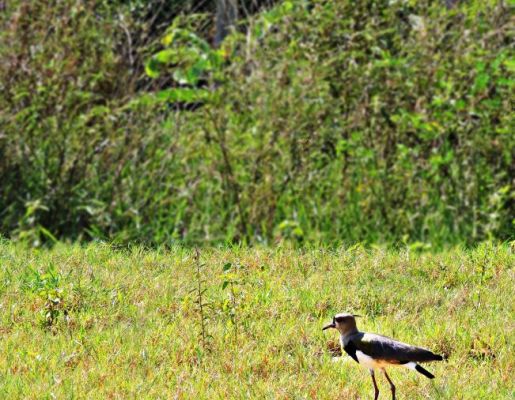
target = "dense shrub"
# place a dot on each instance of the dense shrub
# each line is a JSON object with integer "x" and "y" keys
{"x": 67, "y": 128}
{"x": 328, "y": 121}
{"x": 378, "y": 121}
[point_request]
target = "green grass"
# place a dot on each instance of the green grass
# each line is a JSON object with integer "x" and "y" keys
{"x": 132, "y": 326}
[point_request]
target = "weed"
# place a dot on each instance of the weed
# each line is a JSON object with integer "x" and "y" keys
{"x": 230, "y": 304}
{"x": 202, "y": 305}
{"x": 48, "y": 288}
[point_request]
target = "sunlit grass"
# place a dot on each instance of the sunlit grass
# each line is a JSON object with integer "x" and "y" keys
{"x": 132, "y": 326}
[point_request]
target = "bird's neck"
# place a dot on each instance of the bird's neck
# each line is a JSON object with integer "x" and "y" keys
{"x": 345, "y": 336}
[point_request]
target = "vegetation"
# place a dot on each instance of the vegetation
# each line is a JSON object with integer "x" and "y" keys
{"x": 319, "y": 121}
{"x": 136, "y": 136}
{"x": 95, "y": 322}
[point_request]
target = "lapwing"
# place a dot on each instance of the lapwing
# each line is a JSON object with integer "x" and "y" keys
{"x": 378, "y": 352}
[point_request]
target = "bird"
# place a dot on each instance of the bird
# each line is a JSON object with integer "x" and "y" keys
{"x": 376, "y": 352}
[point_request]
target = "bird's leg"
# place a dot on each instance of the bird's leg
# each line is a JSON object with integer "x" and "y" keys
{"x": 392, "y": 386}
{"x": 376, "y": 389}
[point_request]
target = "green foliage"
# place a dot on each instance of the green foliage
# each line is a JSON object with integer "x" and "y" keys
{"x": 47, "y": 287}
{"x": 229, "y": 305}
{"x": 69, "y": 119}
{"x": 190, "y": 59}
{"x": 322, "y": 121}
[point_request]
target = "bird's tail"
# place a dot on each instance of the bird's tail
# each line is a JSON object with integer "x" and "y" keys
{"x": 424, "y": 371}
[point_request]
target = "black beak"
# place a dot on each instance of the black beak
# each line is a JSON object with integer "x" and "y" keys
{"x": 331, "y": 325}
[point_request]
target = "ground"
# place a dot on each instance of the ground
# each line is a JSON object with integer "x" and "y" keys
{"x": 97, "y": 322}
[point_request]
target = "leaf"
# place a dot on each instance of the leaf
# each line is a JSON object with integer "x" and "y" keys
{"x": 510, "y": 83}
{"x": 166, "y": 56}
{"x": 48, "y": 234}
{"x": 227, "y": 266}
{"x": 168, "y": 38}
{"x": 186, "y": 95}
{"x": 152, "y": 68}
{"x": 481, "y": 82}
{"x": 461, "y": 105}
{"x": 510, "y": 65}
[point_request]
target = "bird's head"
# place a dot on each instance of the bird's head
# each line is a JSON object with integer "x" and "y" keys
{"x": 344, "y": 323}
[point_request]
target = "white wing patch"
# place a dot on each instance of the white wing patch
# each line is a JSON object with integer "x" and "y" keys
{"x": 411, "y": 365}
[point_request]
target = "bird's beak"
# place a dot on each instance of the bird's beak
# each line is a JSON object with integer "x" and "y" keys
{"x": 331, "y": 325}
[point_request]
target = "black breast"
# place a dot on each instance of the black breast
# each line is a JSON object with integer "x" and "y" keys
{"x": 350, "y": 349}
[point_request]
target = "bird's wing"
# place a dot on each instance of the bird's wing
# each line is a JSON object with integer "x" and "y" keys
{"x": 384, "y": 348}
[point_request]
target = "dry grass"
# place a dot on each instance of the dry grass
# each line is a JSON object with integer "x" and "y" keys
{"x": 132, "y": 324}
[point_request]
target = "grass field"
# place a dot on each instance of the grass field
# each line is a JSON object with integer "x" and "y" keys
{"x": 98, "y": 323}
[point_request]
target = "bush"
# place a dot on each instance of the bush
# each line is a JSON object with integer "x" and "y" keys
{"x": 68, "y": 125}
{"x": 330, "y": 121}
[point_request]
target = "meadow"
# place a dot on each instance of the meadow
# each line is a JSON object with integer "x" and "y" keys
{"x": 100, "y": 322}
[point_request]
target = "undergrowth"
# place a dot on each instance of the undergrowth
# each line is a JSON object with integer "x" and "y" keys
{"x": 315, "y": 121}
